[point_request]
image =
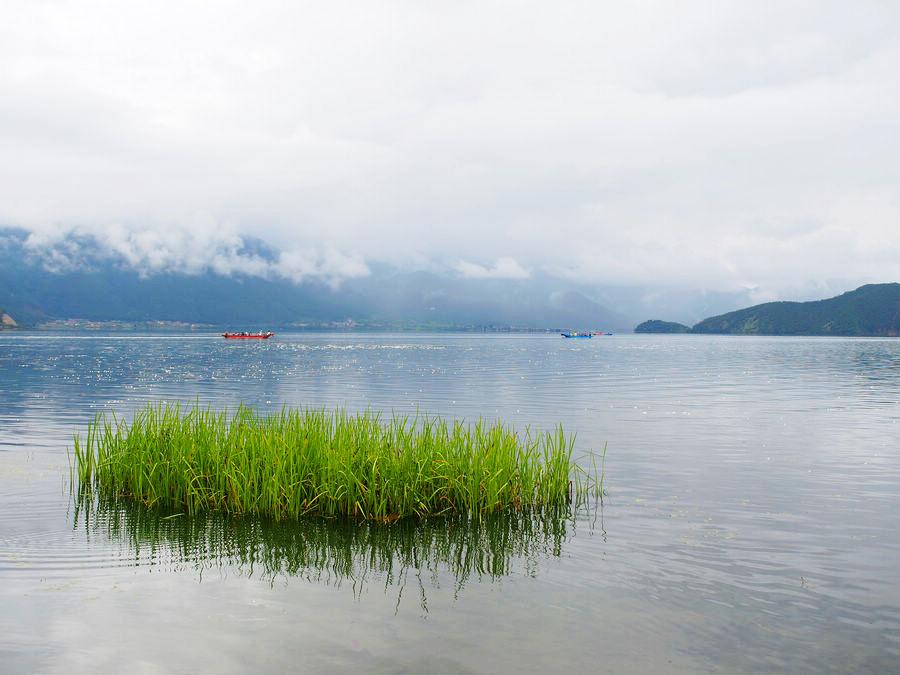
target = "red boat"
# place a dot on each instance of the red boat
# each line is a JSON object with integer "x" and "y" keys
{"x": 248, "y": 336}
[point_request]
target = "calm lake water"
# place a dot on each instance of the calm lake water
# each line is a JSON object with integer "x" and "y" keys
{"x": 751, "y": 523}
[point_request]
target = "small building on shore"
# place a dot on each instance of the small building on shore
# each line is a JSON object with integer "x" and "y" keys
{"x": 6, "y": 321}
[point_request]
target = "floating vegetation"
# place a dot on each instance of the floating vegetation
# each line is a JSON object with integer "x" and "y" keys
{"x": 331, "y": 551}
{"x": 316, "y": 462}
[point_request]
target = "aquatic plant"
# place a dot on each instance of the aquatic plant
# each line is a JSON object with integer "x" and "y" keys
{"x": 329, "y": 463}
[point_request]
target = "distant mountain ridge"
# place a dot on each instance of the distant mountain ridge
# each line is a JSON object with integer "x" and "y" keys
{"x": 870, "y": 310}
{"x": 103, "y": 288}
{"x": 79, "y": 278}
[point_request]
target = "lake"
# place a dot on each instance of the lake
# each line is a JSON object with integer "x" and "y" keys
{"x": 751, "y": 520}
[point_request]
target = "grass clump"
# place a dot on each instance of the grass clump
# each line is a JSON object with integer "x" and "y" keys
{"x": 313, "y": 461}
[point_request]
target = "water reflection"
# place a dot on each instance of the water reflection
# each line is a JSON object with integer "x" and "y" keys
{"x": 331, "y": 552}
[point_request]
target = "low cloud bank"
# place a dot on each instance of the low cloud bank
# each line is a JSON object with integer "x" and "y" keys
{"x": 160, "y": 251}
{"x": 504, "y": 268}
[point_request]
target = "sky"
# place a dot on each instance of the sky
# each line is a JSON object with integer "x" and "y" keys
{"x": 718, "y": 145}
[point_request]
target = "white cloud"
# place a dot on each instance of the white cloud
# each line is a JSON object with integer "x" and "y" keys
{"x": 504, "y": 268}
{"x": 330, "y": 264}
{"x": 727, "y": 144}
{"x": 188, "y": 252}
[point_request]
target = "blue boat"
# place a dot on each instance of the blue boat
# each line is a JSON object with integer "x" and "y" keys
{"x": 576, "y": 335}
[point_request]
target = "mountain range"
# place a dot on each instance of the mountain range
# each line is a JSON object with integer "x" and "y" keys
{"x": 98, "y": 285}
{"x": 870, "y": 310}
{"x": 80, "y": 279}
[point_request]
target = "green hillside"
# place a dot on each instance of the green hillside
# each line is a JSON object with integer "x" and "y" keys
{"x": 657, "y": 326}
{"x": 871, "y": 310}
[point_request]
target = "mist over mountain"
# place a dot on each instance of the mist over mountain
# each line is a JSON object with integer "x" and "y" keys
{"x": 249, "y": 284}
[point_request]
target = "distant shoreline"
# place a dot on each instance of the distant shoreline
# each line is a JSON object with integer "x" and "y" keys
{"x": 129, "y": 327}
{"x": 86, "y": 325}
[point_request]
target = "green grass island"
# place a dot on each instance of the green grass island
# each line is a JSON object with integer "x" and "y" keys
{"x": 301, "y": 462}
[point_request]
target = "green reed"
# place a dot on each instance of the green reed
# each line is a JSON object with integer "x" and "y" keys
{"x": 329, "y": 463}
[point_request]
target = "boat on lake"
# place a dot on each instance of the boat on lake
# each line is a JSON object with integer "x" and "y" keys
{"x": 576, "y": 335}
{"x": 248, "y": 336}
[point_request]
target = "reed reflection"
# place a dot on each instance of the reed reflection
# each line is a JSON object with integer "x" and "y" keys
{"x": 332, "y": 551}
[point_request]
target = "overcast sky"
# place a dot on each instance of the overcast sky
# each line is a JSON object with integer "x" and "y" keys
{"x": 713, "y": 145}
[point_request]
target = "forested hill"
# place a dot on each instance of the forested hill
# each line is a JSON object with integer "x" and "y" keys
{"x": 871, "y": 310}
{"x": 657, "y": 326}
